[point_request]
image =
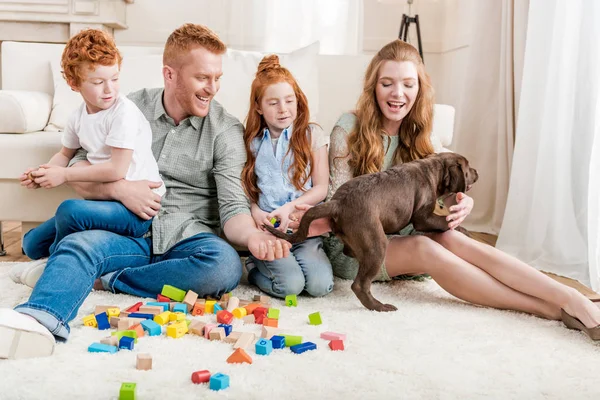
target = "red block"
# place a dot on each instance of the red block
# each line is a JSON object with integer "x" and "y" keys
{"x": 336, "y": 344}
{"x": 163, "y": 299}
{"x": 224, "y": 317}
{"x": 201, "y": 376}
{"x": 135, "y": 307}
{"x": 259, "y": 318}
{"x": 260, "y": 310}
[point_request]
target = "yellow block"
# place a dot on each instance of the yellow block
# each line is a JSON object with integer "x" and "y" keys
{"x": 239, "y": 312}
{"x": 209, "y": 306}
{"x": 90, "y": 320}
{"x": 177, "y": 316}
{"x": 162, "y": 318}
{"x": 177, "y": 330}
{"x": 113, "y": 312}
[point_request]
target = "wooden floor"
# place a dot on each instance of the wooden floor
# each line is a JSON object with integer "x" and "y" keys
{"x": 12, "y": 245}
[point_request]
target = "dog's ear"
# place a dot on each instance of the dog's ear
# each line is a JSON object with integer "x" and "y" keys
{"x": 454, "y": 179}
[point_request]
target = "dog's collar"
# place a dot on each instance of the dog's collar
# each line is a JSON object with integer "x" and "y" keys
{"x": 440, "y": 207}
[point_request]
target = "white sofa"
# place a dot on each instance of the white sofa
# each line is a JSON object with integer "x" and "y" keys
{"x": 33, "y": 94}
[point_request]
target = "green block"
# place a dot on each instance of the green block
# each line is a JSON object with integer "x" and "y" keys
{"x": 188, "y": 322}
{"x": 273, "y": 313}
{"x": 291, "y": 340}
{"x": 173, "y": 293}
{"x": 129, "y": 333}
{"x": 127, "y": 391}
{"x": 315, "y": 318}
{"x": 291, "y": 300}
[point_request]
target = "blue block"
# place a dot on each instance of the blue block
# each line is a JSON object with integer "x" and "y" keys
{"x": 162, "y": 304}
{"x": 141, "y": 315}
{"x": 264, "y": 347}
{"x": 102, "y": 348}
{"x": 102, "y": 320}
{"x": 217, "y": 308}
{"x": 302, "y": 347}
{"x": 227, "y": 328}
{"x": 278, "y": 342}
{"x": 180, "y": 307}
{"x": 151, "y": 327}
{"x": 126, "y": 343}
{"x": 219, "y": 381}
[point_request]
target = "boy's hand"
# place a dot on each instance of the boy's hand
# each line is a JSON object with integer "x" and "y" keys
{"x": 49, "y": 176}
{"x": 260, "y": 217}
{"x": 282, "y": 214}
{"x": 27, "y": 179}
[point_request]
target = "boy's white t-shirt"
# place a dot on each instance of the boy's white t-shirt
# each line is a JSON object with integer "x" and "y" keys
{"x": 122, "y": 125}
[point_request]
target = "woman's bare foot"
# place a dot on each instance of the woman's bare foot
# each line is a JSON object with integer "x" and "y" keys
{"x": 583, "y": 309}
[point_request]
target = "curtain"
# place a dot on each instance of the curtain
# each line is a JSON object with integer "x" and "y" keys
{"x": 552, "y": 214}
{"x": 484, "y": 131}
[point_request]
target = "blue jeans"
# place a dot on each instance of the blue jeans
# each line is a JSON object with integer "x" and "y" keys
{"x": 203, "y": 263}
{"x": 76, "y": 215}
{"x": 307, "y": 268}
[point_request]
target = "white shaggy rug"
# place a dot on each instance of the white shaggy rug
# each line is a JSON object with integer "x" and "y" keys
{"x": 433, "y": 347}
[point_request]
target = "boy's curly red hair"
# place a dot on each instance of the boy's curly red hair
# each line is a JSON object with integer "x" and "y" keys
{"x": 87, "y": 49}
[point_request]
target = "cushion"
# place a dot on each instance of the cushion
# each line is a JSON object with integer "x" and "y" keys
{"x": 23, "y": 111}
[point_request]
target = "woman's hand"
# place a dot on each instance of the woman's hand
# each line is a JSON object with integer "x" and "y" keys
{"x": 460, "y": 210}
{"x": 282, "y": 214}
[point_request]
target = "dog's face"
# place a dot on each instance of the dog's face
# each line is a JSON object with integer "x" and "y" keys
{"x": 458, "y": 175}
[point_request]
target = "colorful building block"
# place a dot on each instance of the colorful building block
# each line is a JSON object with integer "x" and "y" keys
{"x": 143, "y": 361}
{"x": 251, "y": 307}
{"x": 180, "y": 307}
{"x": 197, "y": 327}
{"x": 233, "y": 303}
{"x": 270, "y": 322}
{"x": 227, "y": 328}
{"x": 102, "y": 348}
{"x": 264, "y": 347}
{"x": 163, "y": 318}
{"x": 139, "y": 329}
{"x": 173, "y": 293}
{"x": 128, "y": 333}
{"x": 209, "y": 306}
{"x": 273, "y": 313}
{"x": 198, "y": 309}
{"x": 176, "y": 316}
{"x": 177, "y": 329}
{"x": 149, "y": 309}
{"x": 90, "y": 320}
{"x": 336, "y": 344}
{"x": 245, "y": 340}
{"x": 262, "y": 299}
{"x": 268, "y": 332}
{"x": 291, "y": 300}
{"x": 239, "y": 312}
{"x": 201, "y": 376}
{"x": 151, "y": 327}
{"x": 102, "y": 309}
{"x": 135, "y": 307}
{"x": 126, "y": 343}
{"x": 111, "y": 341}
{"x": 278, "y": 342}
{"x": 219, "y": 381}
{"x": 141, "y": 315}
{"x": 224, "y": 317}
{"x": 208, "y": 328}
{"x": 302, "y": 347}
{"x": 102, "y": 320}
{"x": 233, "y": 337}
{"x": 127, "y": 391}
{"x": 291, "y": 340}
{"x": 216, "y": 308}
{"x": 113, "y": 312}
{"x": 162, "y": 299}
{"x": 239, "y": 356}
{"x": 249, "y": 319}
{"x": 163, "y": 304}
{"x": 217, "y": 333}
{"x": 333, "y": 336}
{"x": 315, "y": 318}
{"x": 190, "y": 299}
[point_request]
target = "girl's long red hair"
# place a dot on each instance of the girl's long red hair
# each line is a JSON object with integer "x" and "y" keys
{"x": 271, "y": 72}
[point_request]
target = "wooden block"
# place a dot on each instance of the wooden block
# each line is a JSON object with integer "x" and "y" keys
{"x": 262, "y": 298}
{"x": 190, "y": 299}
{"x": 233, "y": 337}
{"x": 198, "y": 309}
{"x": 101, "y": 309}
{"x": 217, "y": 333}
{"x": 245, "y": 340}
{"x": 124, "y": 324}
{"x": 336, "y": 344}
{"x": 251, "y": 307}
{"x": 197, "y": 327}
{"x": 239, "y": 356}
{"x": 225, "y": 297}
{"x": 244, "y": 303}
{"x": 143, "y": 361}
{"x": 124, "y": 314}
{"x": 208, "y": 328}
{"x": 154, "y": 310}
{"x": 90, "y": 320}
{"x": 177, "y": 329}
{"x": 271, "y": 322}
{"x": 173, "y": 293}
{"x": 233, "y": 303}
{"x": 239, "y": 312}
{"x": 111, "y": 341}
{"x": 333, "y": 336}
{"x": 135, "y": 307}
{"x": 139, "y": 329}
{"x": 209, "y": 306}
{"x": 268, "y": 332}
{"x": 163, "y": 318}
{"x": 249, "y": 319}
{"x": 114, "y": 321}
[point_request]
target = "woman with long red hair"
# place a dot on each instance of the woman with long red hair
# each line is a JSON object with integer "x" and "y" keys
{"x": 286, "y": 166}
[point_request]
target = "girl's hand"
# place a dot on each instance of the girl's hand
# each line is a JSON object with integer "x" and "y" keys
{"x": 459, "y": 211}
{"x": 260, "y": 217}
{"x": 49, "y": 176}
{"x": 316, "y": 228}
{"x": 282, "y": 214}
{"x": 28, "y": 179}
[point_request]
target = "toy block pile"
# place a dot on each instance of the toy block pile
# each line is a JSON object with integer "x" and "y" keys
{"x": 173, "y": 314}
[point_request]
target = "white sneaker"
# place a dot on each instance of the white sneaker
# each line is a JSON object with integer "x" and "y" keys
{"x": 23, "y": 337}
{"x": 32, "y": 273}
{"x": 17, "y": 270}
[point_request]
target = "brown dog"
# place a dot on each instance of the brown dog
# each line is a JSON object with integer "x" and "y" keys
{"x": 367, "y": 207}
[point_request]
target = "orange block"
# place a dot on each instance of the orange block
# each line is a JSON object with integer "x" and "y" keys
{"x": 139, "y": 329}
{"x": 251, "y": 307}
{"x": 271, "y": 322}
{"x": 239, "y": 356}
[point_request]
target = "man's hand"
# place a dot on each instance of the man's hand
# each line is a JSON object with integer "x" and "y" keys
{"x": 50, "y": 176}
{"x": 459, "y": 211}
{"x": 316, "y": 228}
{"x": 138, "y": 197}
{"x": 265, "y": 246}
{"x": 27, "y": 179}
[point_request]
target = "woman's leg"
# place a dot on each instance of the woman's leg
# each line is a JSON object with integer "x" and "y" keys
{"x": 520, "y": 276}
{"x": 418, "y": 254}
